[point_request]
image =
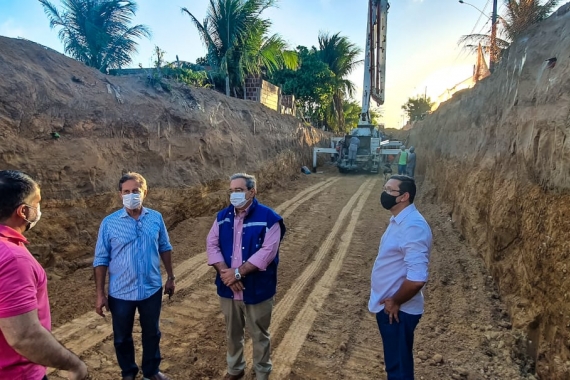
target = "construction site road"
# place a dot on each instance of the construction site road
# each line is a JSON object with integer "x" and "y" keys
{"x": 321, "y": 327}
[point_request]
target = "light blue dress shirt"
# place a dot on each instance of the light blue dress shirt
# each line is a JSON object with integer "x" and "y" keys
{"x": 131, "y": 249}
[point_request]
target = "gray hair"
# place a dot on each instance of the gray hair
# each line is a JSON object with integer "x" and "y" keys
{"x": 250, "y": 180}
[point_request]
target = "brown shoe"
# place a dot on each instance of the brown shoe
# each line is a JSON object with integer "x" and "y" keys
{"x": 234, "y": 377}
{"x": 158, "y": 376}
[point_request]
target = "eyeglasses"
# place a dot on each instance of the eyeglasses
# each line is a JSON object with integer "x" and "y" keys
{"x": 390, "y": 191}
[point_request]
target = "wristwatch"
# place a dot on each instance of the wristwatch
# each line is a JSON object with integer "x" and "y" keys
{"x": 173, "y": 277}
{"x": 237, "y": 274}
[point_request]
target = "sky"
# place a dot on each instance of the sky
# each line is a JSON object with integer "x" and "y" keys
{"x": 423, "y": 55}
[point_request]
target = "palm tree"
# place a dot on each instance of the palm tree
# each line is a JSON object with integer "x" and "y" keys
{"x": 341, "y": 56}
{"x": 519, "y": 16}
{"x": 237, "y": 40}
{"x": 97, "y": 32}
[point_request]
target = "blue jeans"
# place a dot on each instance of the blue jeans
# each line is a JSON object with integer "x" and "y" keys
{"x": 123, "y": 313}
{"x": 402, "y": 170}
{"x": 398, "y": 342}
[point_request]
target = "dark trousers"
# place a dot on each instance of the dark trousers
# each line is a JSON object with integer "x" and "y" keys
{"x": 402, "y": 169}
{"x": 123, "y": 313}
{"x": 398, "y": 342}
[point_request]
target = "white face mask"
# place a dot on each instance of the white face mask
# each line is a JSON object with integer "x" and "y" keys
{"x": 32, "y": 223}
{"x": 238, "y": 199}
{"x": 132, "y": 201}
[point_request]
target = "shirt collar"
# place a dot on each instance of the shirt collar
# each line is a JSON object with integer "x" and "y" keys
{"x": 12, "y": 234}
{"x": 125, "y": 214}
{"x": 243, "y": 212}
{"x": 403, "y": 214}
{"x": 247, "y": 210}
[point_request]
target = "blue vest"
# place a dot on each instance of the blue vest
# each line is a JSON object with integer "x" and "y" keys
{"x": 260, "y": 285}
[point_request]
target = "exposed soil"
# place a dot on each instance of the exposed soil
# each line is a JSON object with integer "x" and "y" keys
{"x": 500, "y": 157}
{"x": 321, "y": 328}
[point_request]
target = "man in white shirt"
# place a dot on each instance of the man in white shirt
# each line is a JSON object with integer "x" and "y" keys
{"x": 399, "y": 274}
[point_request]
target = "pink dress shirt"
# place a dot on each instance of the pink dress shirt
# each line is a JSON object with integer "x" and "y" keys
{"x": 261, "y": 259}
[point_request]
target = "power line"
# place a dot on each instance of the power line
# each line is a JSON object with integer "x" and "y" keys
{"x": 474, "y": 27}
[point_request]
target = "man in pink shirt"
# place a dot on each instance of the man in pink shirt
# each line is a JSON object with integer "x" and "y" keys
{"x": 243, "y": 246}
{"x": 26, "y": 344}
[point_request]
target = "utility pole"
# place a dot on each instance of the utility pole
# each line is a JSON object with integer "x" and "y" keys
{"x": 493, "y": 53}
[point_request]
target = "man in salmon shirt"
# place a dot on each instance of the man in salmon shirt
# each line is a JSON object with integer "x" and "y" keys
{"x": 26, "y": 343}
{"x": 243, "y": 247}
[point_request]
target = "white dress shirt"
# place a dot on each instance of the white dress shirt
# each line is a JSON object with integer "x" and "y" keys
{"x": 403, "y": 254}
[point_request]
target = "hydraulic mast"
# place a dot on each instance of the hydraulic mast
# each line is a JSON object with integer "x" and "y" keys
{"x": 375, "y": 58}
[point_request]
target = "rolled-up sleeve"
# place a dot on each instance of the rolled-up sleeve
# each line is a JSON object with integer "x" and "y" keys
{"x": 213, "y": 245}
{"x": 102, "y": 248}
{"x": 266, "y": 254}
{"x": 163, "y": 239}
{"x": 416, "y": 252}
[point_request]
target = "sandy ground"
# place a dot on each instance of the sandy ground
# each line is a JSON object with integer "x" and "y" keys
{"x": 321, "y": 328}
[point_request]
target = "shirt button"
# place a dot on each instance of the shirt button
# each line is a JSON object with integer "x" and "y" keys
{"x": 242, "y": 247}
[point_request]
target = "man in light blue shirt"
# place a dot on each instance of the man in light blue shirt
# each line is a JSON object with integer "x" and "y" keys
{"x": 131, "y": 243}
{"x": 398, "y": 276}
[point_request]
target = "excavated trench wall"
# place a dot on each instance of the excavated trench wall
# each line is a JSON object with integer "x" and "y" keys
{"x": 499, "y": 155}
{"x": 186, "y": 142}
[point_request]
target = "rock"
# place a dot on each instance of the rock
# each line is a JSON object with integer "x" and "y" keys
{"x": 501, "y": 344}
{"x": 342, "y": 347}
{"x": 461, "y": 371}
{"x": 93, "y": 363}
{"x": 422, "y": 355}
{"x": 438, "y": 358}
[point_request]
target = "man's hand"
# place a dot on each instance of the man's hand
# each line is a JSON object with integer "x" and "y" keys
{"x": 228, "y": 276}
{"x": 100, "y": 303}
{"x": 169, "y": 288}
{"x": 79, "y": 373}
{"x": 391, "y": 308}
{"x": 237, "y": 287}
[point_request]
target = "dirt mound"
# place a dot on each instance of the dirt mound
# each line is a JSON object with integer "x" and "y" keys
{"x": 500, "y": 157}
{"x": 185, "y": 142}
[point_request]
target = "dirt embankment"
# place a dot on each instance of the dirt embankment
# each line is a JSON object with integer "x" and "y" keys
{"x": 499, "y": 154}
{"x": 185, "y": 142}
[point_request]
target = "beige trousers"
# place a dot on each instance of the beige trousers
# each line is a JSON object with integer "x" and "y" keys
{"x": 257, "y": 318}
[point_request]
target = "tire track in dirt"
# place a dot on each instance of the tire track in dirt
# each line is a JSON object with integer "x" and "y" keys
{"x": 343, "y": 342}
{"x": 289, "y": 347}
{"x": 85, "y": 332}
{"x": 283, "y": 307}
{"x": 193, "y": 329}
{"x": 463, "y": 320}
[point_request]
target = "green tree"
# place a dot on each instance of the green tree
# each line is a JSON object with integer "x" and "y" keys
{"x": 518, "y": 17}
{"x": 352, "y": 112}
{"x": 341, "y": 56}
{"x": 238, "y": 41}
{"x": 417, "y": 108}
{"x": 97, "y": 32}
{"x": 312, "y": 84}
{"x": 202, "y": 61}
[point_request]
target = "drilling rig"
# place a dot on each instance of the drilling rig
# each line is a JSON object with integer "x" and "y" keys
{"x": 368, "y": 154}
{"x": 373, "y": 146}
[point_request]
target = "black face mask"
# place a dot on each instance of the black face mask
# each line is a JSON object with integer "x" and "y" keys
{"x": 388, "y": 201}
